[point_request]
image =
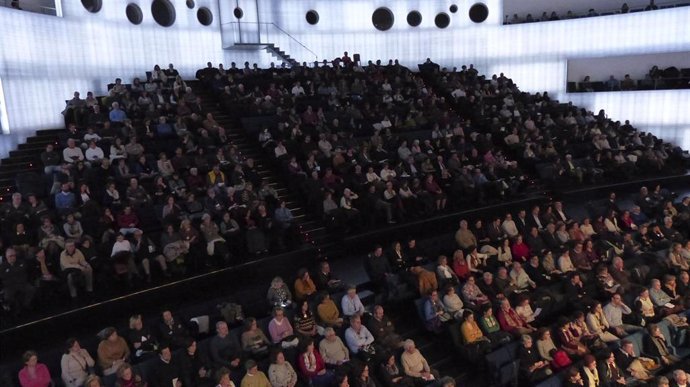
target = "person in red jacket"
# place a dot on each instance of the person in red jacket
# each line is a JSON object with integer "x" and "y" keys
{"x": 520, "y": 250}
{"x": 128, "y": 221}
{"x": 511, "y": 322}
{"x": 34, "y": 374}
{"x": 311, "y": 365}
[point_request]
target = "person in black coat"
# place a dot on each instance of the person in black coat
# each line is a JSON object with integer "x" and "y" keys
{"x": 532, "y": 367}
{"x": 590, "y": 372}
{"x": 609, "y": 373}
{"x": 194, "y": 366}
{"x": 171, "y": 331}
{"x": 326, "y": 281}
{"x": 165, "y": 369}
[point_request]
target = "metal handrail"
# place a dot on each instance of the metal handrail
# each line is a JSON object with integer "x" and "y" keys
{"x": 237, "y": 26}
{"x": 293, "y": 38}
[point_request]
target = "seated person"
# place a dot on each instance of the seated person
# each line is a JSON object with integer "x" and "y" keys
{"x": 472, "y": 335}
{"x": 452, "y": 302}
{"x": 532, "y": 367}
{"x": 351, "y": 304}
{"x": 657, "y": 345}
{"x": 165, "y": 369}
{"x": 253, "y": 377}
{"x": 325, "y": 280}
{"x": 74, "y": 265}
{"x": 332, "y": 349}
{"x": 359, "y": 340}
{"x": 254, "y": 341}
{"x": 328, "y": 312}
{"x": 415, "y": 365}
{"x": 304, "y": 286}
{"x": 312, "y": 367}
{"x": 511, "y": 322}
{"x": 112, "y": 351}
{"x": 281, "y": 330}
{"x": 224, "y": 349}
{"x": 383, "y": 329}
{"x": 279, "y": 294}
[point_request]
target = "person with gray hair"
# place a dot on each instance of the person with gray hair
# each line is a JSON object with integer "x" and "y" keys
{"x": 224, "y": 349}
{"x": 680, "y": 378}
{"x": 415, "y": 365}
{"x": 332, "y": 349}
{"x": 661, "y": 381}
{"x": 532, "y": 367}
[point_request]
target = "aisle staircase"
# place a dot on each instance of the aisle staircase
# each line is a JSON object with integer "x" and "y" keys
{"x": 25, "y": 159}
{"x": 310, "y": 230}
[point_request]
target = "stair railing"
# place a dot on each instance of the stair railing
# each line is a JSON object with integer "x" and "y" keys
{"x": 265, "y": 33}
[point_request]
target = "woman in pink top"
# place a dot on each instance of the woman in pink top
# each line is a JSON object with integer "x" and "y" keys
{"x": 34, "y": 374}
{"x": 280, "y": 328}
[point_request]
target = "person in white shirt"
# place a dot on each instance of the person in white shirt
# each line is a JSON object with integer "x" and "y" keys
{"x": 565, "y": 265}
{"x": 121, "y": 244}
{"x": 509, "y": 226}
{"x": 297, "y": 90}
{"x": 520, "y": 277}
{"x": 351, "y": 304}
{"x": 614, "y": 311}
{"x": 72, "y": 153}
{"x": 357, "y": 336}
{"x": 94, "y": 154}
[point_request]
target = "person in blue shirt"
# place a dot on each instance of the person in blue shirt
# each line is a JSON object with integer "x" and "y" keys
{"x": 65, "y": 200}
{"x": 117, "y": 115}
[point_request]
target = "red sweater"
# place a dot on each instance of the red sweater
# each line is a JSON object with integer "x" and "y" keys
{"x": 304, "y": 369}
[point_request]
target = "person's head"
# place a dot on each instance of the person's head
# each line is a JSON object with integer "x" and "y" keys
{"x": 222, "y": 328}
{"x": 303, "y": 274}
{"x": 661, "y": 381}
{"x": 680, "y": 377}
{"x": 250, "y": 366}
{"x": 109, "y": 334}
{"x": 409, "y": 346}
{"x": 165, "y": 352}
{"x": 341, "y": 380}
{"x": 378, "y": 312}
{"x": 278, "y": 313}
{"x": 526, "y": 341}
{"x": 653, "y": 329}
{"x": 223, "y": 377}
{"x": 590, "y": 362}
{"x": 11, "y": 255}
{"x": 574, "y": 375}
{"x": 30, "y": 358}
{"x": 136, "y": 322}
{"x": 125, "y": 372}
{"x": 352, "y": 291}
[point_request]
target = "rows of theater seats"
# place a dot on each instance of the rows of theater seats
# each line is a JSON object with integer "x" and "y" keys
{"x": 425, "y": 140}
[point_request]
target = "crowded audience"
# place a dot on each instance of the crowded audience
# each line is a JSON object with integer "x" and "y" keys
{"x": 619, "y": 270}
